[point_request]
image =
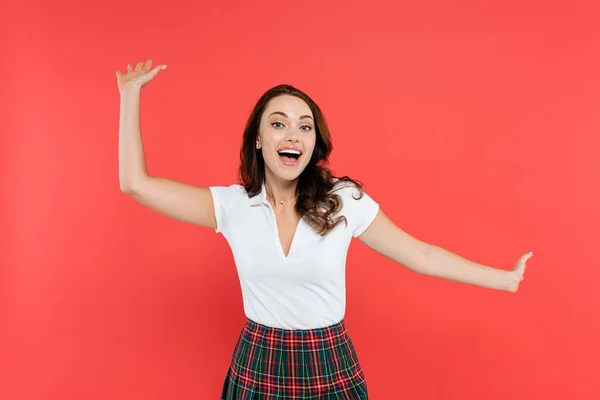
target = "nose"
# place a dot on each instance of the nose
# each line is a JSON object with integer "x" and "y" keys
{"x": 291, "y": 135}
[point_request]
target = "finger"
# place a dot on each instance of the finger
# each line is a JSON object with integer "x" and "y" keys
{"x": 129, "y": 69}
{"x": 527, "y": 257}
{"x": 138, "y": 66}
{"x": 156, "y": 70}
{"x": 520, "y": 266}
{"x": 118, "y": 73}
{"x": 148, "y": 65}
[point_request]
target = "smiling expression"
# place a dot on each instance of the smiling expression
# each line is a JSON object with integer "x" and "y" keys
{"x": 286, "y": 136}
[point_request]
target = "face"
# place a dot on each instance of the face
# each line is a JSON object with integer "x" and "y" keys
{"x": 286, "y": 137}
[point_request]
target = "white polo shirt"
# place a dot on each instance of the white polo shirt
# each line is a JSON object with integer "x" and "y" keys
{"x": 306, "y": 289}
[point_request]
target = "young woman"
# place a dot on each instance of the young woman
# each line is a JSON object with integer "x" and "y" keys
{"x": 289, "y": 224}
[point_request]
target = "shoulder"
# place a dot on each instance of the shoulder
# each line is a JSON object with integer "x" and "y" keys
{"x": 359, "y": 208}
{"x": 235, "y": 189}
{"x": 226, "y": 199}
{"x": 228, "y": 194}
{"x": 346, "y": 190}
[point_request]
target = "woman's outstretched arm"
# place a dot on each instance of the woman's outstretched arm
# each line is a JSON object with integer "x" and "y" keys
{"x": 173, "y": 199}
{"x": 386, "y": 238}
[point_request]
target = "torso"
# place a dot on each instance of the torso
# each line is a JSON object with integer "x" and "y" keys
{"x": 287, "y": 224}
{"x": 291, "y": 277}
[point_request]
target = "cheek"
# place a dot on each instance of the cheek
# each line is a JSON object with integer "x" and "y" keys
{"x": 313, "y": 144}
{"x": 269, "y": 142}
{"x": 270, "y": 136}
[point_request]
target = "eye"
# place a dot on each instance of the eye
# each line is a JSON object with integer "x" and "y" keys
{"x": 306, "y": 127}
{"x": 277, "y": 124}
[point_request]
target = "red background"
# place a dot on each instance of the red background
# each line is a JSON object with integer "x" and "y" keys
{"x": 475, "y": 126}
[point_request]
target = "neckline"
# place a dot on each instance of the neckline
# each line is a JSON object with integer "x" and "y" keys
{"x": 277, "y": 235}
{"x": 293, "y": 240}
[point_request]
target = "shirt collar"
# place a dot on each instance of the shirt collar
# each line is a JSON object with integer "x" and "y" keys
{"x": 259, "y": 198}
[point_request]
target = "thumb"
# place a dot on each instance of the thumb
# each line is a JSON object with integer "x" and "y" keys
{"x": 154, "y": 71}
{"x": 521, "y": 263}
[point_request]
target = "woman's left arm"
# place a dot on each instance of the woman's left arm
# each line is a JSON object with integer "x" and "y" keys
{"x": 387, "y": 239}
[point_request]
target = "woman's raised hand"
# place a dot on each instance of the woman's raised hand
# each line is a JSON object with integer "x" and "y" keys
{"x": 135, "y": 79}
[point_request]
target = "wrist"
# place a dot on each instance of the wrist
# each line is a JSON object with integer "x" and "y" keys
{"x": 130, "y": 91}
{"x": 509, "y": 281}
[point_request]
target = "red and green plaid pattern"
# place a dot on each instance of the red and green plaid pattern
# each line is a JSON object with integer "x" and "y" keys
{"x": 273, "y": 363}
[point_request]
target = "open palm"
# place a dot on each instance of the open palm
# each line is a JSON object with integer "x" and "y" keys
{"x": 136, "y": 78}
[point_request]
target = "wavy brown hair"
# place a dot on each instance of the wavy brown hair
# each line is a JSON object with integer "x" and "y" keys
{"x": 316, "y": 202}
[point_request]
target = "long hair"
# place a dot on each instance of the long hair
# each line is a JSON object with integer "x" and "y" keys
{"x": 316, "y": 201}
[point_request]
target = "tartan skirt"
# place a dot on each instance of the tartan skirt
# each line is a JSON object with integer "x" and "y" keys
{"x": 273, "y": 363}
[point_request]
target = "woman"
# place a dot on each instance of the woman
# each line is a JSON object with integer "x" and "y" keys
{"x": 289, "y": 224}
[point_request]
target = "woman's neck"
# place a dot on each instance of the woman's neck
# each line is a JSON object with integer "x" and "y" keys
{"x": 281, "y": 194}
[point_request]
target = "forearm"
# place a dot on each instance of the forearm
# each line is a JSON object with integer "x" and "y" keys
{"x": 132, "y": 163}
{"x": 444, "y": 264}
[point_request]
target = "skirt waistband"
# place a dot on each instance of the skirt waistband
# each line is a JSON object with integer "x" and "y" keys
{"x": 295, "y": 339}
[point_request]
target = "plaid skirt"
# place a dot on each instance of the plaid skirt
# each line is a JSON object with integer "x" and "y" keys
{"x": 273, "y": 363}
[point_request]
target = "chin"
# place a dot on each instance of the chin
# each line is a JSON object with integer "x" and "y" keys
{"x": 287, "y": 174}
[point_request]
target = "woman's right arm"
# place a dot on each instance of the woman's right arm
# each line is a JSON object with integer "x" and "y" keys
{"x": 173, "y": 199}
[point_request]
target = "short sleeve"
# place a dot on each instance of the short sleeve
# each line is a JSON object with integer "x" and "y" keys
{"x": 224, "y": 197}
{"x": 359, "y": 213}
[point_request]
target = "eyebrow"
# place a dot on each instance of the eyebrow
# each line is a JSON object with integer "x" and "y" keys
{"x": 285, "y": 115}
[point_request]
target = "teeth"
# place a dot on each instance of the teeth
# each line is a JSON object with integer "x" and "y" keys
{"x": 289, "y": 151}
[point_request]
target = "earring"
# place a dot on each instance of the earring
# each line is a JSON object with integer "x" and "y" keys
{"x": 257, "y": 145}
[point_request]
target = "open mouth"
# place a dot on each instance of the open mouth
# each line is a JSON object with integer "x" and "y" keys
{"x": 289, "y": 157}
